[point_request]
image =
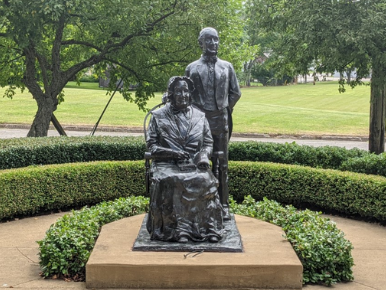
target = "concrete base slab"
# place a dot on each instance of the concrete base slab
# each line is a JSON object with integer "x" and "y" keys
{"x": 268, "y": 262}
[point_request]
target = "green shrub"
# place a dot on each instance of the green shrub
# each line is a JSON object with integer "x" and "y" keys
{"x": 22, "y": 152}
{"x": 291, "y": 153}
{"x": 93, "y": 78}
{"x": 319, "y": 244}
{"x": 331, "y": 190}
{"x": 369, "y": 164}
{"x": 35, "y": 189}
{"x": 68, "y": 243}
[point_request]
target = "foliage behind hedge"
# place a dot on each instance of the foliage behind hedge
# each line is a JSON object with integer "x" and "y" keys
{"x": 34, "y": 189}
{"x": 368, "y": 164}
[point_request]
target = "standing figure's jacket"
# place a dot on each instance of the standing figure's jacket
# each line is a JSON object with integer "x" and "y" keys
{"x": 227, "y": 90}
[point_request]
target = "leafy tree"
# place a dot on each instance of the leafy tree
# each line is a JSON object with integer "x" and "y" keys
{"x": 337, "y": 35}
{"x": 44, "y": 44}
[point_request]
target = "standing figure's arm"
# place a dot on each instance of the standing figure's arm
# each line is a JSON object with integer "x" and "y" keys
{"x": 234, "y": 93}
{"x": 203, "y": 156}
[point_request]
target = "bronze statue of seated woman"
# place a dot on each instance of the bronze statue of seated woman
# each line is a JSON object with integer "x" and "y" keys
{"x": 184, "y": 202}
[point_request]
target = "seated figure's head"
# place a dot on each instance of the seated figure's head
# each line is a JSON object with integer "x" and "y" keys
{"x": 179, "y": 92}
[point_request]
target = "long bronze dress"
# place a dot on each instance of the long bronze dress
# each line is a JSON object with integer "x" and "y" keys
{"x": 184, "y": 201}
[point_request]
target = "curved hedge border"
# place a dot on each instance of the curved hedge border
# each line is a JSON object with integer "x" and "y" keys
{"x": 68, "y": 243}
{"x": 22, "y": 152}
{"x": 34, "y": 189}
{"x": 321, "y": 247}
{"x": 330, "y": 157}
{"x": 344, "y": 192}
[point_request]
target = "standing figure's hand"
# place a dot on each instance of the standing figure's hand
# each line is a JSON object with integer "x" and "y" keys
{"x": 203, "y": 165}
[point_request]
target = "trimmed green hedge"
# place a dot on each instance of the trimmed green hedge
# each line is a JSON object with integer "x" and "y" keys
{"x": 68, "y": 243}
{"x": 34, "y": 189}
{"x": 368, "y": 164}
{"x": 42, "y": 188}
{"x": 321, "y": 247}
{"x": 344, "y": 192}
{"x": 330, "y": 157}
{"x": 22, "y": 152}
{"x": 56, "y": 150}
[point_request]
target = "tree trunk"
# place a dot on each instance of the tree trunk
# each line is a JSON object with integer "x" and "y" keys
{"x": 41, "y": 123}
{"x": 377, "y": 108}
{"x": 248, "y": 81}
{"x": 348, "y": 72}
{"x": 247, "y": 69}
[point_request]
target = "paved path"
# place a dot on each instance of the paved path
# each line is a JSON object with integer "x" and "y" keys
{"x": 20, "y": 264}
{"x": 348, "y": 143}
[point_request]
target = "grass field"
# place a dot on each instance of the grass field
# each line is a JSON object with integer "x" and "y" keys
{"x": 296, "y": 109}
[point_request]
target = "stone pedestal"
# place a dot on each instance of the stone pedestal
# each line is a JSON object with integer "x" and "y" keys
{"x": 267, "y": 262}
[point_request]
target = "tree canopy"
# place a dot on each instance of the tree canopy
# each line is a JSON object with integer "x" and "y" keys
{"x": 44, "y": 44}
{"x": 332, "y": 36}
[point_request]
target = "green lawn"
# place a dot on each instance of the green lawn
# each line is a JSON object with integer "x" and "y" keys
{"x": 294, "y": 109}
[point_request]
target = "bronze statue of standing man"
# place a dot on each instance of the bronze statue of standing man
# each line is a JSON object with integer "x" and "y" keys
{"x": 216, "y": 93}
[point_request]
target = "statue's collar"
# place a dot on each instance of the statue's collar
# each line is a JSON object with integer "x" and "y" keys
{"x": 176, "y": 111}
{"x": 209, "y": 58}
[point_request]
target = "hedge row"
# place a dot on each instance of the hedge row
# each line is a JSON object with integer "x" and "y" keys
{"x": 34, "y": 189}
{"x": 343, "y": 192}
{"x": 321, "y": 247}
{"x": 68, "y": 243}
{"x": 330, "y": 157}
{"x": 22, "y": 152}
{"x": 37, "y": 189}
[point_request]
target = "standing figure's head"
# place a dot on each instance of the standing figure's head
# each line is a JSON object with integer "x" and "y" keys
{"x": 208, "y": 40}
{"x": 179, "y": 92}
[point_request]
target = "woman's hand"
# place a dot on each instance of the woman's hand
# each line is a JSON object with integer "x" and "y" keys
{"x": 181, "y": 155}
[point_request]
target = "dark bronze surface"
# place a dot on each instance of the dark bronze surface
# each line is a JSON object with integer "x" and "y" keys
{"x": 216, "y": 93}
{"x": 231, "y": 242}
{"x": 184, "y": 200}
